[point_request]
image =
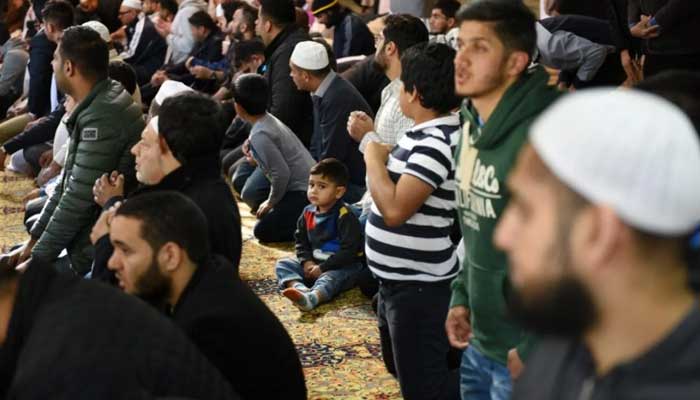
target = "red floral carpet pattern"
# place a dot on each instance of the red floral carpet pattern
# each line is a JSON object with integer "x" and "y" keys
{"x": 338, "y": 343}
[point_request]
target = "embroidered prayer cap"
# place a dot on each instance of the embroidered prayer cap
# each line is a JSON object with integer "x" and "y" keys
{"x": 134, "y": 4}
{"x": 310, "y": 55}
{"x": 170, "y": 88}
{"x": 100, "y": 28}
{"x": 629, "y": 150}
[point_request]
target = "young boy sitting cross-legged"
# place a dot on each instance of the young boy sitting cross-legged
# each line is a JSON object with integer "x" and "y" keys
{"x": 328, "y": 242}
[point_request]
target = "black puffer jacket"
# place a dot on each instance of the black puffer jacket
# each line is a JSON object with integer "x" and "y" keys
{"x": 74, "y": 339}
{"x": 287, "y": 103}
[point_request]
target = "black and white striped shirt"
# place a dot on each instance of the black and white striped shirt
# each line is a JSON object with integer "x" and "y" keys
{"x": 420, "y": 249}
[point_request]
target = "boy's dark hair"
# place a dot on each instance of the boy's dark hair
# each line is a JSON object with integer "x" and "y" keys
{"x": 192, "y": 125}
{"x": 333, "y": 170}
{"x": 448, "y": 7}
{"x": 124, "y": 74}
{"x": 203, "y": 19}
{"x": 168, "y": 216}
{"x": 513, "y": 22}
{"x": 280, "y": 12}
{"x": 250, "y": 91}
{"x": 169, "y": 5}
{"x": 244, "y": 49}
{"x": 429, "y": 68}
{"x": 680, "y": 87}
{"x": 85, "y": 48}
{"x": 405, "y": 31}
{"x": 59, "y": 13}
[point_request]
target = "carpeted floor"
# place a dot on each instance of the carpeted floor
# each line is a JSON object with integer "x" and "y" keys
{"x": 338, "y": 342}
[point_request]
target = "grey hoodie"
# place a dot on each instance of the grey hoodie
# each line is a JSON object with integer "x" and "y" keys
{"x": 15, "y": 58}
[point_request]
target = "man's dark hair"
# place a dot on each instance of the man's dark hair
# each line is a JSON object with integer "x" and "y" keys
{"x": 168, "y": 216}
{"x": 680, "y": 87}
{"x": 87, "y": 51}
{"x": 203, "y": 19}
{"x": 404, "y": 30}
{"x": 429, "y": 69}
{"x": 280, "y": 12}
{"x": 250, "y": 91}
{"x": 250, "y": 14}
{"x": 230, "y": 8}
{"x": 169, "y": 5}
{"x": 513, "y": 22}
{"x": 333, "y": 170}
{"x": 448, "y": 7}
{"x": 192, "y": 125}
{"x": 245, "y": 49}
{"x": 59, "y": 13}
{"x": 124, "y": 74}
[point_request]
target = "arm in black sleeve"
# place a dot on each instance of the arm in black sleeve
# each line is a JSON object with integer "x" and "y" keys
{"x": 677, "y": 11}
{"x": 40, "y": 72}
{"x": 335, "y": 142}
{"x": 619, "y": 29}
{"x": 42, "y": 131}
{"x": 350, "y": 235}
{"x": 236, "y": 134}
{"x": 103, "y": 252}
{"x": 302, "y": 244}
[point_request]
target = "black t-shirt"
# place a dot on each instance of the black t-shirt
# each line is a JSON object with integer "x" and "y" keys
{"x": 564, "y": 370}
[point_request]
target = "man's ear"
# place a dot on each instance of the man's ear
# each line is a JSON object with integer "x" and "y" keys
{"x": 413, "y": 95}
{"x": 164, "y": 148}
{"x": 451, "y": 23}
{"x": 600, "y": 233}
{"x": 518, "y": 61}
{"x": 390, "y": 48}
{"x": 68, "y": 68}
{"x": 170, "y": 256}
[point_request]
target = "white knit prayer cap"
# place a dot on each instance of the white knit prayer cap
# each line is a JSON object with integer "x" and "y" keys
{"x": 100, "y": 28}
{"x": 310, "y": 55}
{"x": 632, "y": 151}
{"x": 134, "y": 4}
{"x": 170, "y": 88}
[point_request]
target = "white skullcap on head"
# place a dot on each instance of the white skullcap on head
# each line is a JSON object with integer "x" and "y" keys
{"x": 310, "y": 55}
{"x": 170, "y": 88}
{"x": 154, "y": 124}
{"x": 100, "y": 28}
{"x": 135, "y": 4}
{"x": 629, "y": 150}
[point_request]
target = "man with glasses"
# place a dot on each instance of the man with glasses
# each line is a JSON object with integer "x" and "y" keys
{"x": 145, "y": 48}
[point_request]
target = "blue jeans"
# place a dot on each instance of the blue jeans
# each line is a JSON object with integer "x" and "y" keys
{"x": 482, "y": 378}
{"x": 329, "y": 284}
{"x": 250, "y": 183}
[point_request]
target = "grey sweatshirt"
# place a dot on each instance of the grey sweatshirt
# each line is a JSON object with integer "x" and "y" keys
{"x": 281, "y": 156}
{"x": 15, "y": 58}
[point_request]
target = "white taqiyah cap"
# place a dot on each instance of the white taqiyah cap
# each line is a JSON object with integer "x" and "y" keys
{"x": 170, "y": 88}
{"x": 632, "y": 151}
{"x": 310, "y": 55}
{"x": 153, "y": 123}
{"x": 100, "y": 28}
{"x": 135, "y": 4}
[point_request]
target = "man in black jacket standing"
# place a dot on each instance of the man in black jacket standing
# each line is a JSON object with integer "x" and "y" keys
{"x": 178, "y": 151}
{"x": 162, "y": 255}
{"x": 276, "y": 26}
{"x": 63, "y": 337}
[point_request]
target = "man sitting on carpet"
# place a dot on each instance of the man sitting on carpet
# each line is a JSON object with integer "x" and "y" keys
{"x": 328, "y": 241}
{"x": 178, "y": 151}
{"x": 161, "y": 254}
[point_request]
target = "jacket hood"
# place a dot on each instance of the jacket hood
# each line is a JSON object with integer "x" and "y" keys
{"x": 523, "y": 100}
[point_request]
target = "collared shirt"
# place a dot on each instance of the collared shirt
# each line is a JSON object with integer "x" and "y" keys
{"x": 325, "y": 84}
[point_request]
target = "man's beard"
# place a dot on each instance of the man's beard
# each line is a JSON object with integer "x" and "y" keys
{"x": 153, "y": 287}
{"x": 561, "y": 308}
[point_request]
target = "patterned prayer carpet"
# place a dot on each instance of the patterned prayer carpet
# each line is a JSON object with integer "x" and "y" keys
{"x": 338, "y": 343}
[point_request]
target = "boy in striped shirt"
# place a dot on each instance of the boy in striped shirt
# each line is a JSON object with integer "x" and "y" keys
{"x": 408, "y": 243}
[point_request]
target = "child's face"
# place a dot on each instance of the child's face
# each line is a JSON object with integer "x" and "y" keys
{"x": 322, "y": 192}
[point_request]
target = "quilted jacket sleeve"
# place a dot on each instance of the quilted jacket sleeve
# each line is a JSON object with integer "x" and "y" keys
{"x": 98, "y": 147}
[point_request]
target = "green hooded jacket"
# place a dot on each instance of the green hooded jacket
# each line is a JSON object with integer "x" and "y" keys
{"x": 103, "y": 128}
{"x": 485, "y": 156}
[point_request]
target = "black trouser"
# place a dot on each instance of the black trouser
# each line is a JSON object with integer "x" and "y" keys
{"x": 655, "y": 63}
{"x": 279, "y": 224}
{"x": 414, "y": 342}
